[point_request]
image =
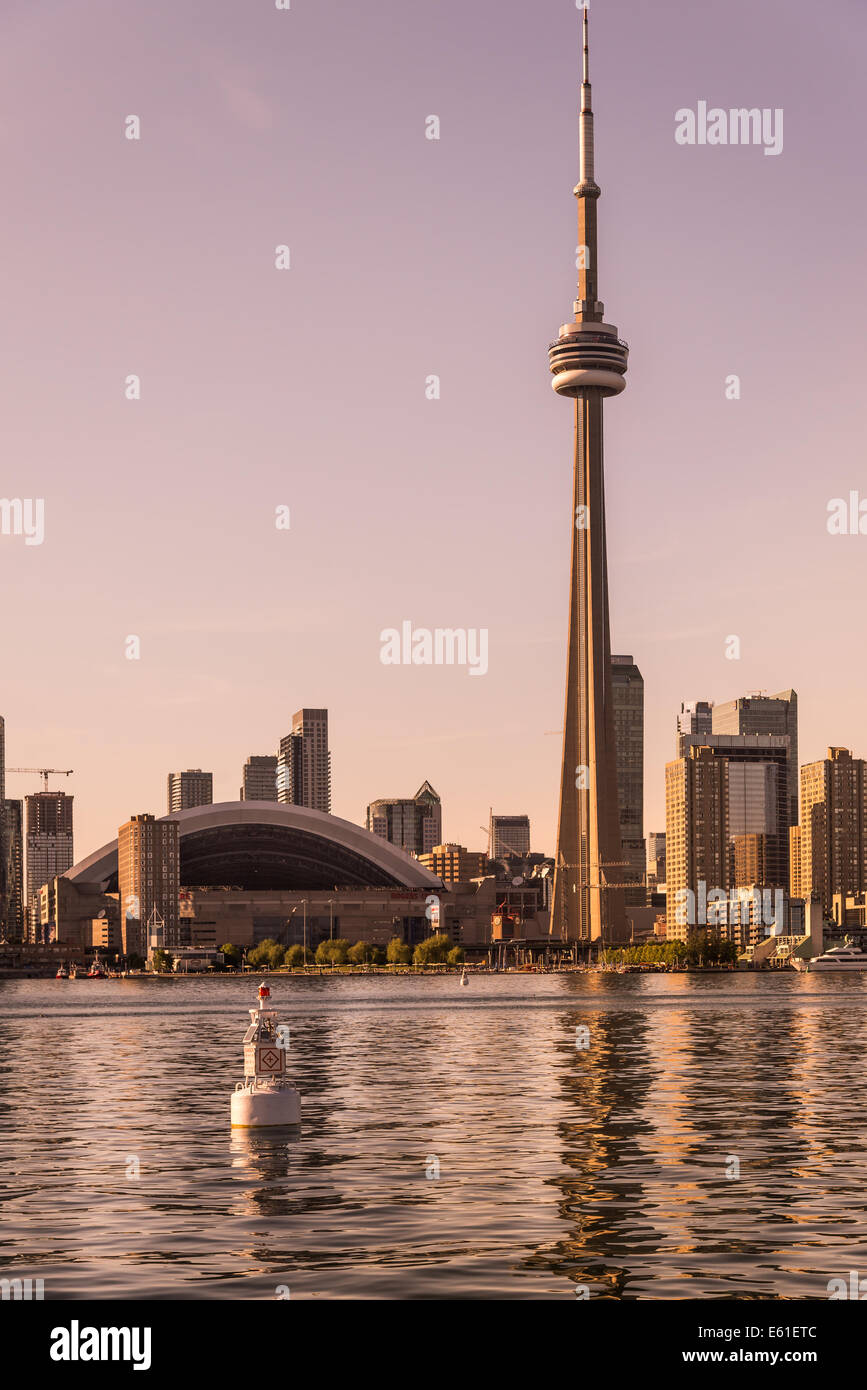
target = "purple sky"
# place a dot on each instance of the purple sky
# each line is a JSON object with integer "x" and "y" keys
{"x": 306, "y": 387}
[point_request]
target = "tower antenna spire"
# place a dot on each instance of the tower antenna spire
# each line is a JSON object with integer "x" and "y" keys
{"x": 586, "y": 114}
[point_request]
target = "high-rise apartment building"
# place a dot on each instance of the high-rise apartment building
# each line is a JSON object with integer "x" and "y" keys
{"x": 304, "y": 762}
{"x": 509, "y": 836}
{"x": 49, "y": 846}
{"x": 695, "y": 721}
{"x": 696, "y": 832}
{"x": 187, "y": 789}
{"x": 765, "y": 714}
{"x": 727, "y": 808}
{"x": 259, "y": 778}
{"x": 833, "y": 834}
{"x": 12, "y": 904}
{"x": 413, "y": 824}
{"x": 148, "y": 875}
{"x": 627, "y": 699}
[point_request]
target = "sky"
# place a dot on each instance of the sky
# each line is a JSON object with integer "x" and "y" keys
{"x": 305, "y": 388}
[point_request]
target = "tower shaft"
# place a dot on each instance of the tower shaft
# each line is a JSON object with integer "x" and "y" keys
{"x": 588, "y": 829}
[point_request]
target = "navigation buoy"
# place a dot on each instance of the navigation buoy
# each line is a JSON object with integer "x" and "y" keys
{"x": 464, "y": 980}
{"x": 265, "y": 1098}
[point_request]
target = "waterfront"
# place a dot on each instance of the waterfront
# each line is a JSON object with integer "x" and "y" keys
{"x": 557, "y": 1167}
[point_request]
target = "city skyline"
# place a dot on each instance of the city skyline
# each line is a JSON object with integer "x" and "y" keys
{"x": 230, "y": 426}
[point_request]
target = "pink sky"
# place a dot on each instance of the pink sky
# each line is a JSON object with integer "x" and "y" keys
{"x": 306, "y": 387}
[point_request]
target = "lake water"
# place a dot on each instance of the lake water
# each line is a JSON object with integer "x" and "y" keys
{"x": 606, "y": 1167}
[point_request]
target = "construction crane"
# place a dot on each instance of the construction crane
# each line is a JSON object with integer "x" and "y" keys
{"x": 44, "y": 772}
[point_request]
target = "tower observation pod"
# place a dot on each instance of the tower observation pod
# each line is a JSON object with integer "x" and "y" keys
{"x": 265, "y": 1099}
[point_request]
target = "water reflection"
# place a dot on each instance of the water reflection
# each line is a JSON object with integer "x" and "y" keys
{"x": 708, "y": 1143}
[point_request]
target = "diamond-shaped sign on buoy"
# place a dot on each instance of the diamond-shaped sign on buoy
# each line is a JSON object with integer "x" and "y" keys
{"x": 271, "y": 1059}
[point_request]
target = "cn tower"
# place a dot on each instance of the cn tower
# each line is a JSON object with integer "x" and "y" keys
{"x": 588, "y": 362}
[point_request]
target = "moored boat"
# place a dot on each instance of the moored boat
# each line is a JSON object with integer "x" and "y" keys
{"x": 846, "y": 957}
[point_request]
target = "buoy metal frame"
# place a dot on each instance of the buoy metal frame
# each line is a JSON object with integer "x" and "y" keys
{"x": 265, "y": 1099}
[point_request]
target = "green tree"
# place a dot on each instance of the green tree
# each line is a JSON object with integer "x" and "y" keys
{"x": 362, "y": 953}
{"x": 434, "y": 950}
{"x": 456, "y": 955}
{"x": 334, "y": 952}
{"x": 162, "y": 962}
{"x": 294, "y": 956}
{"x": 269, "y": 952}
{"x": 397, "y": 952}
{"x": 232, "y": 955}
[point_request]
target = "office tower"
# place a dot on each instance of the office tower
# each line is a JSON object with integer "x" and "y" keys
{"x": 188, "y": 789}
{"x": 765, "y": 714}
{"x": 415, "y": 825}
{"x": 627, "y": 698}
{"x": 12, "y": 904}
{"x": 655, "y": 859}
{"x": 148, "y": 877}
{"x": 2, "y": 759}
{"x": 259, "y": 778}
{"x": 588, "y": 362}
{"x": 694, "y": 721}
{"x": 49, "y": 845}
{"x": 455, "y": 863}
{"x": 304, "y": 762}
{"x": 509, "y": 836}
{"x": 753, "y": 820}
{"x": 833, "y": 834}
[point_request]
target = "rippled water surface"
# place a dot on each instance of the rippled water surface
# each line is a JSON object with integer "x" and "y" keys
{"x": 557, "y": 1167}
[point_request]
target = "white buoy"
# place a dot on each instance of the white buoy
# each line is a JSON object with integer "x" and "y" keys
{"x": 464, "y": 980}
{"x": 265, "y": 1098}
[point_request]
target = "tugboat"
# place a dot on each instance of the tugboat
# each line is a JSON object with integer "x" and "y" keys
{"x": 62, "y": 971}
{"x": 265, "y": 1099}
{"x": 96, "y": 971}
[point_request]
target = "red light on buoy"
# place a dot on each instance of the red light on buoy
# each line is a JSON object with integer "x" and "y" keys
{"x": 264, "y": 992}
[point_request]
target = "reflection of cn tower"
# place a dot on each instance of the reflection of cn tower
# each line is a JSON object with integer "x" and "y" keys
{"x": 588, "y": 362}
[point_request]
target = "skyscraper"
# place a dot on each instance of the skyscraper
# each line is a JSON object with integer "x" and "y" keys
{"x": 148, "y": 875}
{"x": 655, "y": 859}
{"x": 187, "y": 789}
{"x": 49, "y": 845}
{"x": 832, "y": 844}
{"x": 509, "y": 835}
{"x": 304, "y": 762}
{"x": 627, "y": 695}
{"x": 414, "y": 824}
{"x": 3, "y": 870}
{"x": 588, "y": 362}
{"x": 696, "y": 832}
{"x": 259, "y": 778}
{"x": 765, "y": 714}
